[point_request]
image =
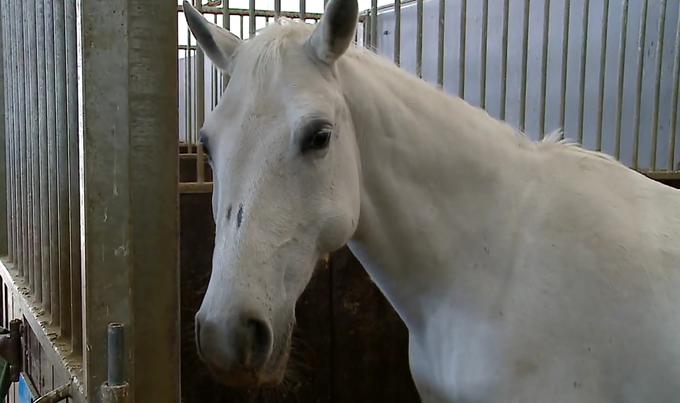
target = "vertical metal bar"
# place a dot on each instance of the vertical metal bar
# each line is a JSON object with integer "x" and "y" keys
{"x": 200, "y": 111}
{"x": 26, "y": 138}
{"x": 582, "y": 74}
{"x": 241, "y": 27}
{"x": 485, "y": 27}
{"x": 525, "y": 55}
{"x": 71, "y": 312}
{"x": 52, "y": 162}
{"x": 277, "y": 8}
{"x": 565, "y": 49}
{"x": 43, "y": 203}
{"x": 462, "y": 48}
{"x": 251, "y": 18}
{"x": 419, "y": 38}
{"x": 603, "y": 60}
{"x": 189, "y": 95}
{"x": 440, "y": 45}
{"x": 374, "y": 24}
{"x": 657, "y": 87}
{"x": 638, "y": 89}
{"x": 11, "y": 128}
{"x": 187, "y": 99}
{"x": 62, "y": 161}
{"x": 226, "y": 23}
{"x": 621, "y": 73}
{"x": 115, "y": 355}
{"x": 24, "y": 267}
{"x": 544, "y": 68}
{"x": 303, "y": 10}
{"x": 504, "y": 59}
{"x": 674, "y": 101}
{"x": 397, "y": 32}
{"x": 32, "y": 155}
{"x": 4, "y": 131}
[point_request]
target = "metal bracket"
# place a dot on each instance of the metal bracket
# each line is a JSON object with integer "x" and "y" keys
{"x": 11, "y": 348}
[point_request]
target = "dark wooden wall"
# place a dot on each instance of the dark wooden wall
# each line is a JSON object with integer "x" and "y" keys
{"x": 349, "y": 345}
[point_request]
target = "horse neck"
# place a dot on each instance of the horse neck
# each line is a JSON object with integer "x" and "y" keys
{"x": 433, "y": 180}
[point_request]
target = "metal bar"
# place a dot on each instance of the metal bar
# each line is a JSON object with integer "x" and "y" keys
{"x": 24, "y": 126}
{"x": 504, "y": 60}
{"x": 544, "y": 68}
{"x": 461, "y": 49}
{"x": 241, "y": 27}
{"x": 374, "y": 24}
{"x": 303, "y": 10}
{"x": 603, "y": 60}
{"x": 11, "y": 130}
{"x": 638, "y": 92}
{"x": 674, "y": 101}
{"x": 200, "y": 111}
{"x": 258, "y": 12}
{"x": 62, "y": 277}
{"x": 525, "y": 55}
{"x": 32, "y": 141}
{"x": 251, "y": 18}
{"x": 485, "y": 27}
{"x": 71, "y": 311}
{"x": 565, "y": 49}
{"x": 397, "y": 32}
{"x": 440, "y": 45}
{"x": 277, "y": 8}
{"x": 582, "y": 74}
{"x": 115, "y": 353}
{"x": 4, "y": 129}
{"x": 43, "y": 201}
{"x": 226, "y": 23}
{"x": 419, "y": 38}
{"x": 621, "y": 74}
{"x": 52, "y": 157}
{"x": 657, "y": 88}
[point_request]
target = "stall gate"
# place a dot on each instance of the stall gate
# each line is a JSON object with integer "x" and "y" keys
{"x": 89, "y": 182}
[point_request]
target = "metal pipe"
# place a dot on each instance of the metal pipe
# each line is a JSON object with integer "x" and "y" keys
{"x": 582, "y": 73}
{"x": 303, "y": 10}
{"x": 32, "y": 148}
{"x": 200, "y": 111}
{"x": 485, "y": 28}
{"x": 24, "y": 267}
{"x": 116, "y": 349}
{"x": 565, "y": 48}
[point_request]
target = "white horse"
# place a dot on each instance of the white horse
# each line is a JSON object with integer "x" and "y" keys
{"x": 525, "y": 272}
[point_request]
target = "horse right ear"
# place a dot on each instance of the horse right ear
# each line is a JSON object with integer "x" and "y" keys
{"x": 217, "y": 43}
{"x": 333, "y": 35}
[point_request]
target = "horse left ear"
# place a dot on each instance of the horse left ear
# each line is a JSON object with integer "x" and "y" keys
{"x": 335, "y": 32}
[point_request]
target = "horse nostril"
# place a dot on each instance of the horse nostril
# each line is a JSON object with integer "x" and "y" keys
{"x": 260, "y": 342}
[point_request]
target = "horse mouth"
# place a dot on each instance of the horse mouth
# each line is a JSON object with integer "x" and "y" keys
{"x": 270, "y": 375}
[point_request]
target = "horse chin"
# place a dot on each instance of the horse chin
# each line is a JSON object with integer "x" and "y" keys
{"x": 271, "y": 375}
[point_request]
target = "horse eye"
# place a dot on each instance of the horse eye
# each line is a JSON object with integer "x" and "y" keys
{"x": 317, "y": 139}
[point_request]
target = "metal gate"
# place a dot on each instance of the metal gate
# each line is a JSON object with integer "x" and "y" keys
{"x": 89, "y": 183}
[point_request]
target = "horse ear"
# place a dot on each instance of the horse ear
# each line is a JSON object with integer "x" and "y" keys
{"x": 217, "y": 43}
{"x": 333, "y": 35}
